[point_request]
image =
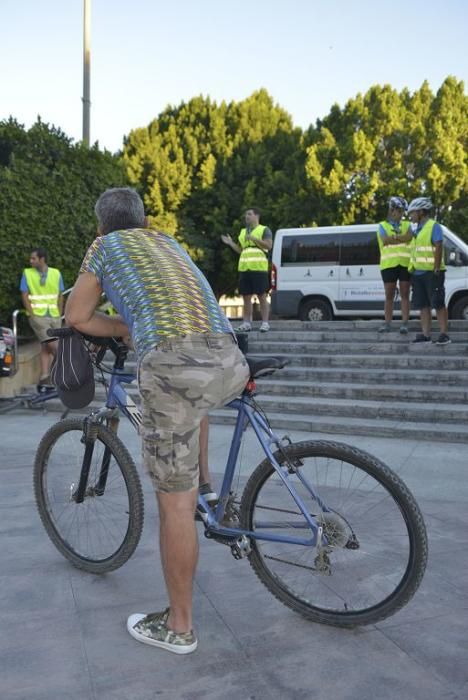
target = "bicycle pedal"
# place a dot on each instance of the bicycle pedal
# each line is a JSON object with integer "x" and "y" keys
{"x": 241, "y": 548}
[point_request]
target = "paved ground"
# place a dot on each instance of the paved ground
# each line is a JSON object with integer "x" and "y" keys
{"x": 63, "y": 632}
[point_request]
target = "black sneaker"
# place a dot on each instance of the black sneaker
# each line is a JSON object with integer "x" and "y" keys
{"x": 421, "y": 338}
{"x": 443, "y": 339}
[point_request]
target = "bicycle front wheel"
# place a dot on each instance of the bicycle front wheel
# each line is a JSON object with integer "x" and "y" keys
{"x": 101, "y": 533}
{"x": 375, "y": 552}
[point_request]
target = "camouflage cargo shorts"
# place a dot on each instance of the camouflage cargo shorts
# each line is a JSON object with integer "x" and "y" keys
{"x": 179, "y": 382}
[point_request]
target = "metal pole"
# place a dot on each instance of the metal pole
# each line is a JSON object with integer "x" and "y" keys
{"x": 86, "y": 71}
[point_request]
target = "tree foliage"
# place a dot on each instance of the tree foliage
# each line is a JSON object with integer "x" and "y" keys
{"x": 384, "y": 143}
{"x": 48, "y": 188}
{"x": 198, "y": 165}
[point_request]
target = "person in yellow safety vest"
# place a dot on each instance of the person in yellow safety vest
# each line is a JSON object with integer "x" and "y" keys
{"x": 255, "y": 242}
{"x": 428, "y": 270}
{"x": 42, "y": 293}
{"x": 394, "y": 262}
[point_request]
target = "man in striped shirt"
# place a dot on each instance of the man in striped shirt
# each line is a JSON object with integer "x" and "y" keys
{"x": 188, "y": 363}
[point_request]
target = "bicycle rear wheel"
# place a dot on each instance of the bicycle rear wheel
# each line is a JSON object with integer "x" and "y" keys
{"x": 101, "y": 533}
{"x": 377, "y": 545}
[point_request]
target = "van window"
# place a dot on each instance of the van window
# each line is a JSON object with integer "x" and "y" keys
{"x": 360, "y": 248}
{"x": 315, "y": 249}
{"x": 453, "y": 255}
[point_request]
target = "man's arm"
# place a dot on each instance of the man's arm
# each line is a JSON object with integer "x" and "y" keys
{"x": 439, "y": 249}
{"x": 404, "y": 238}
{"x": 228, "y": 241}
{"x": 80, "y": 312}
{"x": 26, "y": 302}
{"x": 263, "y": 243}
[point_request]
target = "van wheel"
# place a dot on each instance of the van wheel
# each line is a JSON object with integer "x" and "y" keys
{"x": 315, "y": 310}
{"x": 460, "y": 309}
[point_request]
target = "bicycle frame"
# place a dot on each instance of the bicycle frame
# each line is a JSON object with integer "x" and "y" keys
{"x": 118, "y": 399}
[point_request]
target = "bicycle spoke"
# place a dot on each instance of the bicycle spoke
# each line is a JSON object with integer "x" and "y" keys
{"x": 366, "y": 555}
{"x": 95, "y": 528}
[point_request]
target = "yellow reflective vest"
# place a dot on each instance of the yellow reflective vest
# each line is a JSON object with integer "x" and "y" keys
{"x": 423, "y": 250}
{"x": 43, "y": 297}
{"x": 394, "y": 255}
{"x": 252, "y": 257}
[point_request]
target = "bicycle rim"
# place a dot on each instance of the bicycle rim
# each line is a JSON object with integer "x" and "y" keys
{"x": 102, "y": 532}
{"x": 377, "y": 547}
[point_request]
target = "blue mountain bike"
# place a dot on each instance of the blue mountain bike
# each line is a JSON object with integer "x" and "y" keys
{"x": 329, "y": 529}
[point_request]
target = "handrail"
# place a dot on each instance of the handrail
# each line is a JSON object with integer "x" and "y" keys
{"x": 14, "y": 323}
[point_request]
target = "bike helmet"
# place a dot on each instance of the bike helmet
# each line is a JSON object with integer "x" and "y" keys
{"x": 420, "y": 204}
{"x": 398, "y": 203}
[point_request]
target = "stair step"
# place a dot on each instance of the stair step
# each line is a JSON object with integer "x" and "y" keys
{"x": 372, "y": 359}
{"x": 372, "y": 376}
{"x": 364, "y": 391}
{"x": 457, "y": 432}
{"x": 391, "y": 410}
{"x": 358, "y": 324}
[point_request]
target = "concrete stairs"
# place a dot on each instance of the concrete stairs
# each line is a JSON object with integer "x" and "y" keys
{"x": 346, "y": 378}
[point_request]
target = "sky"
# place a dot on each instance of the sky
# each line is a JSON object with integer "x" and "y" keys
{"x": 148, "y": 54}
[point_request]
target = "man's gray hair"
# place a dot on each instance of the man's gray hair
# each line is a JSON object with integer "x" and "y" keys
{"x": 119, "y": 208}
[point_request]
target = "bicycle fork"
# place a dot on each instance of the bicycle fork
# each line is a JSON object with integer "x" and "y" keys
{"x": 90, "y": 433}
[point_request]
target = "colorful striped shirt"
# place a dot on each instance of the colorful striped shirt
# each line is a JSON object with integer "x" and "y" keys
{"x": 155, "y": 286}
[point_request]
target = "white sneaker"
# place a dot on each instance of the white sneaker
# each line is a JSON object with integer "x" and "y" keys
{"x": 244, "y": 327}
{"x": 152, "y": 629}
{"x": 264, "y": 327}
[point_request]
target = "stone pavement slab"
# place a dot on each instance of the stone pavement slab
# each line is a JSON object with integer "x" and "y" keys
{"x": 62, "y": 631}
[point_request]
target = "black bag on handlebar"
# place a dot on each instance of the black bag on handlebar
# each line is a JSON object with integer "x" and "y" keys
{"x": 72, "y": 369}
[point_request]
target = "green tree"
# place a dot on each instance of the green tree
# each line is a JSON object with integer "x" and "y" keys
{"x": 200, "y": 164}
{"x": 48, "y": 188}
{"x": 387, "y": 142}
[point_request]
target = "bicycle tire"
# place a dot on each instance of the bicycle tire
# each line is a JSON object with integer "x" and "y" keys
{"x": 57, "y": 510}
{"x": 344, "y": 581}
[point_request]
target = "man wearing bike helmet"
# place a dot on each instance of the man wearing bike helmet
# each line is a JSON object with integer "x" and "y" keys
{"x": 428, "y": 269}
{"x": 394, "y": 261}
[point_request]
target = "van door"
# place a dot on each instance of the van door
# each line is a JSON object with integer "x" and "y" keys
{"x": 309, "y": 269}
{"x": 456, "y": 282}
{"x": 361, "y": 288}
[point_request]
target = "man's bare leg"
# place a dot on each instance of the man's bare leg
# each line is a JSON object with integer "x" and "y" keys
{"x": 179, "y": 554}
{"x": 264, "y": 307}
{"x": 405, "y": 302}
{"x": 247, "y": 313}
{"x": 442, "y": 317}
{"x": 389, "y": 299}
{"x": 426, "y": 321}
{"x": 47, "y": 354}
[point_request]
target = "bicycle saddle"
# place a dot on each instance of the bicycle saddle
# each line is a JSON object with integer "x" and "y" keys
{"x": 263, "y": 366}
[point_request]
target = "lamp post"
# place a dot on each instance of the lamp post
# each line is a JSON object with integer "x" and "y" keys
{"x": 86, "y": 71}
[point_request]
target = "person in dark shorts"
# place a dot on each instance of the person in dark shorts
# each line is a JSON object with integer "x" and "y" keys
{"x": 255, "y": 242}
{"x": 394, "y": 262}
{"x": 428, "y": 270}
